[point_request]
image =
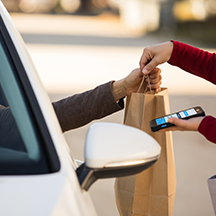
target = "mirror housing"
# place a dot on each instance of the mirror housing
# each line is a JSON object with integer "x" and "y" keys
{"x": 115, "y": 150}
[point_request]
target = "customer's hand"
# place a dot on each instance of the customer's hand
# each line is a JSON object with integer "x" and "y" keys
{"x": 191, "y": 124}
{"x": 155, "y": 55}
{"x": 133, "y": 80}
{"x": 131, "y": 83}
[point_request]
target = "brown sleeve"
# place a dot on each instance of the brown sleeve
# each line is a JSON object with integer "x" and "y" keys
{"x": 80, "y": 109}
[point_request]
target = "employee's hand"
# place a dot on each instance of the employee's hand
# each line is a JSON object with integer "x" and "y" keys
{"x": 191, "y": 124}
{"x": 155, "y": 55}
{"x": 131, "y": 83}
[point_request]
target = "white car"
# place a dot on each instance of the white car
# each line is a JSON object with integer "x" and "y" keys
{"x": 38, "y": 175}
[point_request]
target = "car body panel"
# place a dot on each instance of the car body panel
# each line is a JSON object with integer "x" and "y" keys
{"x": 51, "y": 194}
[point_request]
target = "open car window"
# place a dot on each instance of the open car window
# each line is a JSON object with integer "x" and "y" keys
{"x": 23, "y": 148}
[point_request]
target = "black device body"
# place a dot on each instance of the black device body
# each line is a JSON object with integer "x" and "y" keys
{"x": 162, "y": 122}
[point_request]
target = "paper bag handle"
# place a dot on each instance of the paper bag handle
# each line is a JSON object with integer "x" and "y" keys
{"x": 145, "y": 76}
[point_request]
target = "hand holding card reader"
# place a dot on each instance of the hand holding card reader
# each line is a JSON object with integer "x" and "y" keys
{"x": 162, "y": 122}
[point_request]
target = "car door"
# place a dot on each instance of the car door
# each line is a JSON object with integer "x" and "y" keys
{"x": 37, "y": 175}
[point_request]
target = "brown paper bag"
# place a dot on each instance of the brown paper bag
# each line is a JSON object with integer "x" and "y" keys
{"x": 152, "y": 192}
{"x": 212, "y": 190}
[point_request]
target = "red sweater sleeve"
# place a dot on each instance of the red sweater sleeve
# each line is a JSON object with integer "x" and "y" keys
{"x": 202, "y": 64}
{"x": 194, "y": 61}
{"x": 207, "y": 128}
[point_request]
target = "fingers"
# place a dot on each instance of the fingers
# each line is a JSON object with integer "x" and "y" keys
{"x": 150, "y": 66}
{"x": 145, "y": 58}
{"x": 148, "y": 60}
{"x": 155, "y": 76}
{"x": 154, "y": 55}
{"x": 191, "y": 124}
{"x": 156, "y": 86}
{"x": 179, "y": 124}
{"x": 173, "y": 128}
{"x": 155, "y": 79}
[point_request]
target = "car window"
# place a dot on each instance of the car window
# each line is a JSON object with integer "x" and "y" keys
{"x": 22, "y": 150}
{"x": 16, "y": 114}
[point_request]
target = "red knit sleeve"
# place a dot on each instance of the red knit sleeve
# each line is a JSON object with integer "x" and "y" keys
{"x": 194, "y": 60}
{"x": 207, "y": 128}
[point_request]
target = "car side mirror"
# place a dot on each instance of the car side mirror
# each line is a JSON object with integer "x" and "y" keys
{"x": 115, "y": 150}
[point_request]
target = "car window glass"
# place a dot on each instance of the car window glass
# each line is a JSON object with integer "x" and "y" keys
{"x": 17, "y": 107}
{"x": 18, "y": 141}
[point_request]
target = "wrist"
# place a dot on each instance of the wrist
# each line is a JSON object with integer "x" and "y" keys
{"x": 170, "y": 49}
{"x": 118, "y": 90}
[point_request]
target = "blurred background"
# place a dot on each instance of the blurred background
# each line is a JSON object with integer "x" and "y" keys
{"x": 79, "y": 44}
{"x": 189, "y": 18}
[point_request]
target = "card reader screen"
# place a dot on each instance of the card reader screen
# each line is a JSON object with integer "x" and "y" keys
{"x": 179, "y": 115}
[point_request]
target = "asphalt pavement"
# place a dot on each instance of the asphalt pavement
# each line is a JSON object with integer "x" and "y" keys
{"x": 73, "y": 54}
